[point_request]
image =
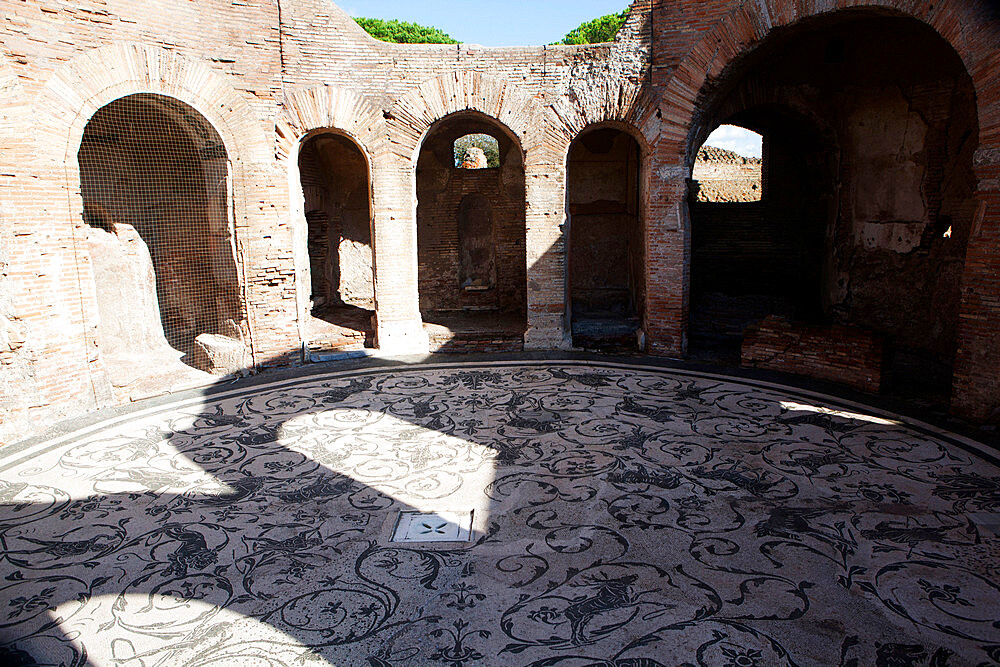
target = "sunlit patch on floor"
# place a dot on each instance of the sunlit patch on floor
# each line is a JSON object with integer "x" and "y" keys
{"x": 442, "y": 526}
{"x": 582, "y": 513}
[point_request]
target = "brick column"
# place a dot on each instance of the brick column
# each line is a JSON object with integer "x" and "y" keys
{"x": 545, "y": 245}
{"x": 667, "y": 255}
{"x": 399, "y": 328}
{"x": 976, "y": 386}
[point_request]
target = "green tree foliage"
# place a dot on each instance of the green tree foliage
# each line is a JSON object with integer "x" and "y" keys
{"x": 402, "y": 32}
{"x": 599, "y": 30}
{"x": 484, "y": 141}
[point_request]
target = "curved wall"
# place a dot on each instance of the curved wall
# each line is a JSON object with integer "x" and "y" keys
{"x": 264, "y": 79}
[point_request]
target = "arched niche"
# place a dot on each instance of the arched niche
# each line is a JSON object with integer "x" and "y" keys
{"x": 336, "y": 193}
{"x": 471, "y": 239}
{"x": 606, "y": 273}
{"x": 154, "y": 178}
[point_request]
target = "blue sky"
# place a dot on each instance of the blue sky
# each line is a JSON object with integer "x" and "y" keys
{"x": 735, "y": 139}
{"x": 491, "y": 22}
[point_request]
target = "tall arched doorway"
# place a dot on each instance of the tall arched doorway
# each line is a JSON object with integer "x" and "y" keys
{"x": 869, "y": 124}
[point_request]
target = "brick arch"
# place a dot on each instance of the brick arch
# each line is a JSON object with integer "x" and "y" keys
{"x": 412, "y": 116}
{"x": 645, "y": 144}
{"x": 645, "y": 178}
{"x": 317, "y": 110}
{"x": 408, "y": 121}
{"x": 753, "y": 98}
{"x": 325, "y": 107}
{"x": 970, "y": 29}
{"x": 94, "y": 79}
{"x": 620, "y": 104}
{"x": 748, "y": 25}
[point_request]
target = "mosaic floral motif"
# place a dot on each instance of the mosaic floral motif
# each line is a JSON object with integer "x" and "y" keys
{"x": 626, "y": 515}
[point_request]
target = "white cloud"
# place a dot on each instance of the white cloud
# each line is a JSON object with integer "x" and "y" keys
{"x": 736, "y": 139}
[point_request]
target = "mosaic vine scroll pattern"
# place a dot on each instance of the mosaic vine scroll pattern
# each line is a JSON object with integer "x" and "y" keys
{"x": 624, "y": 515}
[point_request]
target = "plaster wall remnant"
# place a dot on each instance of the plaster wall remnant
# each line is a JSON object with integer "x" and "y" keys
{"x": 880, "y": 209}
{"x": 890, "y": 137}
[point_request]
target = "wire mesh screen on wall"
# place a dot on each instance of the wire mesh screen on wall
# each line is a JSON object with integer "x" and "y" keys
{"x": 154, "y": 177}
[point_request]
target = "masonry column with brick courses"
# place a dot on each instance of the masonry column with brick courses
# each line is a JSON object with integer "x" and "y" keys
{"x": 399, "y": 328}
{"x": 545, "y": 194}
{"x": 667, "y": 257}
{"x": 976, "y": 387}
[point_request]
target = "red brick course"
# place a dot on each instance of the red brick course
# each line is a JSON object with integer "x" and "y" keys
{"x": 837, "y": 353}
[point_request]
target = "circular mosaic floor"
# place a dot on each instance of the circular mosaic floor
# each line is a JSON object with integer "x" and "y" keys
{"x": 622, "y": 515}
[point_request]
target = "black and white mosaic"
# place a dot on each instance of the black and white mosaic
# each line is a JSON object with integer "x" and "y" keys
{"x": 623, "y": 516}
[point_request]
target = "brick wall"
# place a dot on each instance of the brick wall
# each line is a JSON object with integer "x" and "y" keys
{"x": 838, "y": 353}
{"x": 264, "y": 83}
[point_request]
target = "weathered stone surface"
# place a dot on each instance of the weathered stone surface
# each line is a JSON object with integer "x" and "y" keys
{"x": 129, "y": 312}
{"x": 225, "y": 355}
{"x": 138, "y": 360}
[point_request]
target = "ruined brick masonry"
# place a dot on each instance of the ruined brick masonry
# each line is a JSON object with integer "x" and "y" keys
{"x": 273, "y": 183}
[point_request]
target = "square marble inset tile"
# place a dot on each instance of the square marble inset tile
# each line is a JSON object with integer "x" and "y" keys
{"x": 414, "y": 526}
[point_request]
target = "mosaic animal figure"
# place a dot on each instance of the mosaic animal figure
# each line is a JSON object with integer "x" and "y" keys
{"x": 639, "y": 476}
{"x": 751, "y": 482}
{"x": 339, "y": 394}
{"x": 68, "y": 548}
{"x": 914, "y": 536}
{"x": 193, "y": 551}
{"x": 525, "y": 414}
{"x": 662, "y": 415}
{"x": 789, "y": 523}
{"x": 586, "y": 379}
{"x": 611, "y": 594}
{"x": 324, "y": 488}
{"x": 237, "y": 491}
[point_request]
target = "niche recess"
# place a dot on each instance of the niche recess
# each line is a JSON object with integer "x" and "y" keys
{"x": 336, "y": 195}
{"x": 154, "y": 177}
{"x": 470, "y": 238}
{"x": 606, "y": 273}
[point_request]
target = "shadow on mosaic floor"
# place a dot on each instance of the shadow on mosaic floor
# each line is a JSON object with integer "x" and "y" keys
{"x": 622, "y": 514}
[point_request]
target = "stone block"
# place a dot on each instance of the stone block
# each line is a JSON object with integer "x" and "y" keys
{"x": 222, "y": 355}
